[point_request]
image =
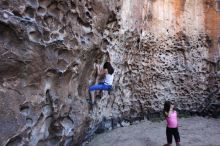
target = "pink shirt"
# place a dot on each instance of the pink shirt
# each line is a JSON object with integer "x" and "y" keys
{"x": 172, "y": 120}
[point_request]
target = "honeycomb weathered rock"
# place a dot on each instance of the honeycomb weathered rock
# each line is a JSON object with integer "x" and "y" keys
{"x": 161, "y": 50}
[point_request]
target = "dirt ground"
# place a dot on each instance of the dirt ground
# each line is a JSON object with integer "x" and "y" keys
{"x": 194, "y": 131}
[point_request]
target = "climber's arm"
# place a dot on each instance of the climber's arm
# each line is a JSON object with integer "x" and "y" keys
{"x": 101, "y": 71}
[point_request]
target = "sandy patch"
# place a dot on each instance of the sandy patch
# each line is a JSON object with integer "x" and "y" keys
{"x": 195, "y": 131}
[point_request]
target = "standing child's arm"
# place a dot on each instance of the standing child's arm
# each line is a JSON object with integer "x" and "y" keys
{"x": 167, "y": 114}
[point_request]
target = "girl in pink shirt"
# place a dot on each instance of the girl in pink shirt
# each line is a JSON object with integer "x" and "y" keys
{"x": 172, "y": 125}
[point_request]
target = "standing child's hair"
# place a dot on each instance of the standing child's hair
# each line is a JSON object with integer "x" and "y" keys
{"x": 166, "y": 108}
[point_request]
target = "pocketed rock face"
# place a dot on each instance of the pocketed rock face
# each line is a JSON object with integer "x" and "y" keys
{"x": 160, "y": 50}
{"x": 48, "y": 49}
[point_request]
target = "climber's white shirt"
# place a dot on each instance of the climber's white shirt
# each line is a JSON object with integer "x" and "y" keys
{"x": 109, "y": 79}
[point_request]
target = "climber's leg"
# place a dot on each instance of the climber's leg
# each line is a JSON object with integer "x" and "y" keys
{"x": 93, "y": 88}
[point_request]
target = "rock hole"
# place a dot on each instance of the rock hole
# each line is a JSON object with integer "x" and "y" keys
{"x": 29, "y": 122}
{"x": 88, "y": 15}
{"x": 53, "y": 10}
{"x": 46, "y": 35}
{"x": 68, "y": 124}
{"x": 60, "y": 52}
{"x": 25, "y": 110}
{"x": 208, "y": 41}
{"x": 73, "y": 5}
{"x": 16, "y": 13}
{"x": 113, "y": 18}
{"x": 118, "y": 8}
{"x": 48, "y": 20}
{"x": 54, "y": 36}
{"x": 44, "y": 3}
{"x": 90, "y": 35}
{"x": 69, "y": 96}
{"x": 56, "y": 101}
{"x": 29, "y": 12}
{"x": 48, "y": 96}
{"x": 181, "y": 80}
{"x": 54, "y": 71}
{"x": 41, "y": 11}
{"x": 62, "y": 30}
{"x": 83, "y": 42}
{"x": 34, "y": 36}
{"x": 90, "y": 9}
{"x": 81, "y": 22}
{"x": 105, "y": 42}
{"x": 138, "y": 40}
{"x": 46, "y": 110}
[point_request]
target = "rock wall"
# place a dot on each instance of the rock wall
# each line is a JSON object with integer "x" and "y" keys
{"x": 160, "y": 49}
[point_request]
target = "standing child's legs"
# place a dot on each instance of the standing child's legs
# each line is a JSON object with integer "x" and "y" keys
{"x": 169, "y": 136}
{"x": 176, "y": 136}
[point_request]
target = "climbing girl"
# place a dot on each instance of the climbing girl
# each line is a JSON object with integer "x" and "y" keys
{"x": 172, "y": 124}
{"x": 106, "y": 83}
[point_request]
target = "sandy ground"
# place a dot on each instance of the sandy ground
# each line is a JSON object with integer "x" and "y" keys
{"x": 195, "y": 131}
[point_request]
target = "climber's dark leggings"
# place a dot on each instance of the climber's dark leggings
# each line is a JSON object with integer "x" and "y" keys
{"x": 172, "y": 132}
